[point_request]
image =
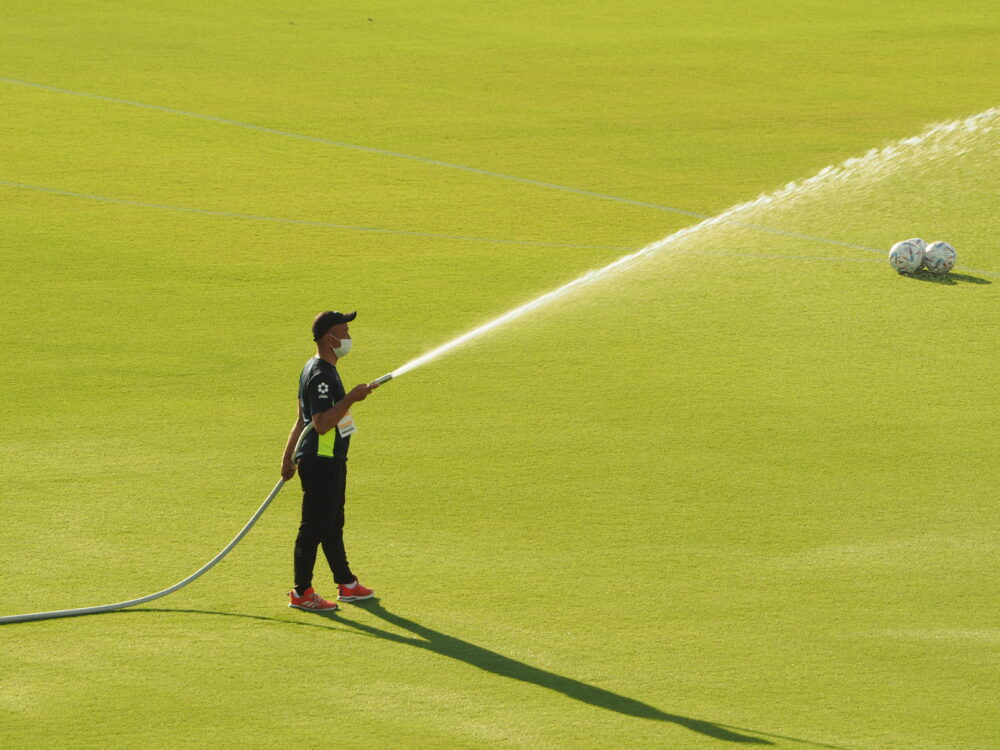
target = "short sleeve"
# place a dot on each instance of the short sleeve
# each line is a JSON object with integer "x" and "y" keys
{"x": 320, "y": 393}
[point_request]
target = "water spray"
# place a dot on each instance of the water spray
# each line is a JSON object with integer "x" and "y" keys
{"x": 874, "y": 160}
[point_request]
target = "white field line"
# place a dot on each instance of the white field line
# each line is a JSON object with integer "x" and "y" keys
{"x": 434, "y": 235}
{"x": 300, "y": 222}
{"x": 355, "y": 147}
{"x": 425, "y": 160}
{"x": 407, "y": 232}
{"x": 873, "y": 159}
{"x": 413, "y": 233}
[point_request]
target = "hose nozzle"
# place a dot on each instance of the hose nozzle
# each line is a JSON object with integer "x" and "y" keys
{"x": 383, "y": 379}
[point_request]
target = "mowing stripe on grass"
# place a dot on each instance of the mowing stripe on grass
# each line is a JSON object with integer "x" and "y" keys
{"x": 301, "y": 222}
{"x": 407, "y": 232}
{"x": 874, "y": 159}
{"x": 354, "y": 228}
{"x": 455, "y": 237}
{"x": 356, "y": 147}
{"x": 422, "y": 160}
{"x": 409, "y": 157}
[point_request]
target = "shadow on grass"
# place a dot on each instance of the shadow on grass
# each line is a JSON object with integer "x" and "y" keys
{"x": 490, "y": 661}
{"x": 436, "y": 642}
{"x": 296, "y": 623}
{"x": 948, "y": 279}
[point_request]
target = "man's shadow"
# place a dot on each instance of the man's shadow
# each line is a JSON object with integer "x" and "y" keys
{"x": 490, "y": 661}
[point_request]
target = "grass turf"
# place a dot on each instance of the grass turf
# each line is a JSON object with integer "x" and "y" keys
{"x": 721, "y": 497}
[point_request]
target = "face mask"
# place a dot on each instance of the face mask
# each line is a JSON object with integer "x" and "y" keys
{"x": 344, "y": 349}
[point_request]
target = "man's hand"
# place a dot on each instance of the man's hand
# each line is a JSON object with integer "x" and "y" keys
{"x": 287, "y": 468}
{"x": 360, "y": 392}
{"x": 327, "y": 420}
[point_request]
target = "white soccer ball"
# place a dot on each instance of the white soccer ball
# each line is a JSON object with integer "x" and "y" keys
{"x": 940, "y": 257}
{"x": 921, "y": 243}
{"x": 906, "y": 256}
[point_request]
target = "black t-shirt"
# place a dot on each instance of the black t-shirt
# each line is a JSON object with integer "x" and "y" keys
{"x": 319, "y": 389}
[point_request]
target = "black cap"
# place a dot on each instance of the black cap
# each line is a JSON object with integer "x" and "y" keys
{"x": 327, "y": 320}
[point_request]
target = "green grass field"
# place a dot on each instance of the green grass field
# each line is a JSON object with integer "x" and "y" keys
{"x": 741, "y": 493}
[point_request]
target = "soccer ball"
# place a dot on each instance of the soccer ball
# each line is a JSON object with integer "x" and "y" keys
{"x": 922, "y": 244}
{"x": 906, "y": 256}
{"x": 940, "y": 257}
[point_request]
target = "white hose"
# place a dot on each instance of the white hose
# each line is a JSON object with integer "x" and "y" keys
{"x": 181, "y": 584}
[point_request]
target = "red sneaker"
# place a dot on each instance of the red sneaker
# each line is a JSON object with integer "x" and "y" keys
{"x": 310, "y": 601}
{"x": 354, "y": 593}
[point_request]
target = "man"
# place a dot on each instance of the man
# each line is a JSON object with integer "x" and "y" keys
{"x": 322, "y": 464}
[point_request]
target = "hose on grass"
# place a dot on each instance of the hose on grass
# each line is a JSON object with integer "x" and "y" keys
{"x": 180, "y": 584}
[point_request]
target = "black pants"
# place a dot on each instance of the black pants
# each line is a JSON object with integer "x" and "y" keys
{"x": 323, "y": 483}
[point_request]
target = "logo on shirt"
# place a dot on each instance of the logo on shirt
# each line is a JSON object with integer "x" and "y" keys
{"x": 323, "y": 389}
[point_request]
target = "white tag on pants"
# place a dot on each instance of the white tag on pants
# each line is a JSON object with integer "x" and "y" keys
{"x": 346, "y": 425}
